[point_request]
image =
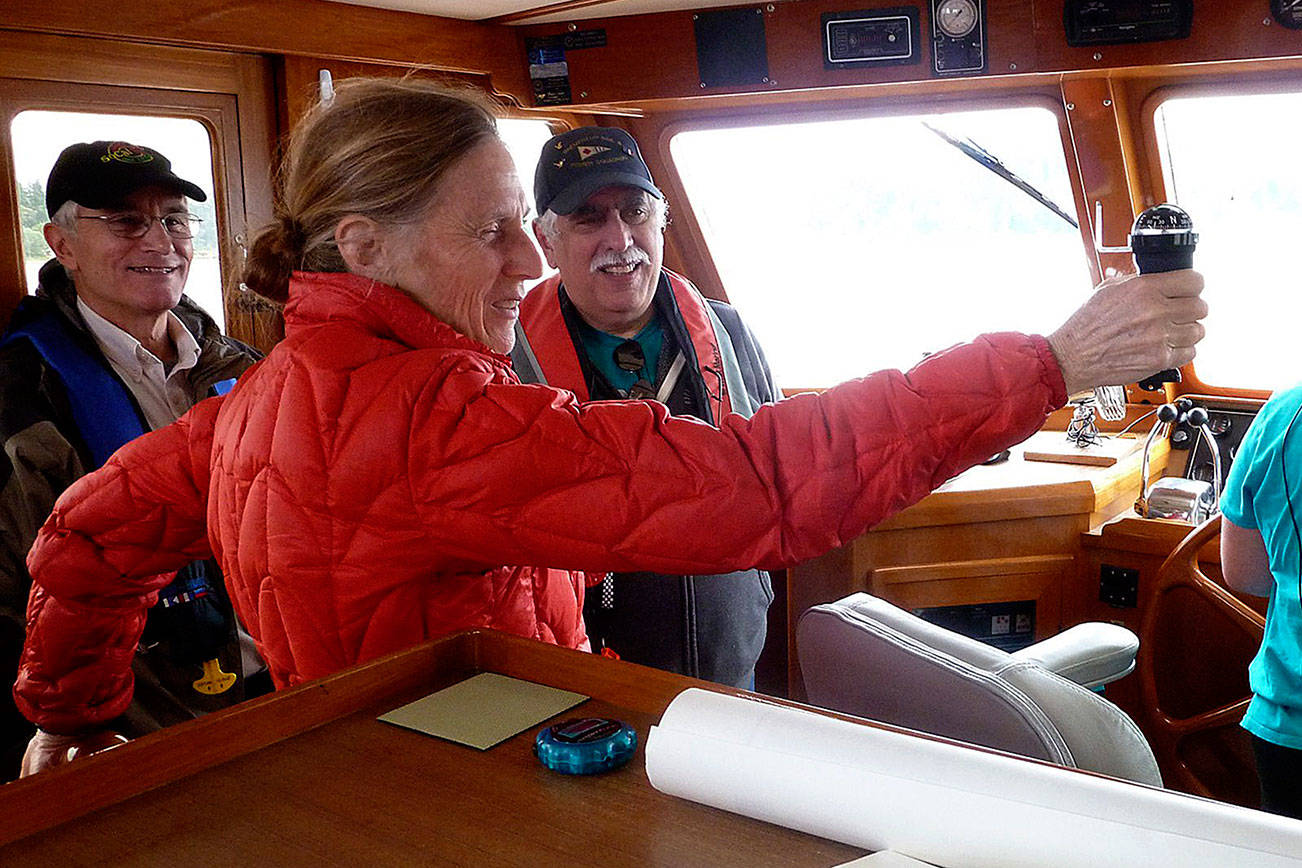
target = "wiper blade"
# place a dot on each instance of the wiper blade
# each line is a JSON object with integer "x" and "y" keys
{"x": 994, "y": 164}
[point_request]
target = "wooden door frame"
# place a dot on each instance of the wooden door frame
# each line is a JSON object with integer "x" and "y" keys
{"x": 232, "y": 94}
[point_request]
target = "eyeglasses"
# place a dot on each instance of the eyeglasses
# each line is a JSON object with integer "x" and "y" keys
{"x": 588, "y": 218}
{"x": 132, "y": 224}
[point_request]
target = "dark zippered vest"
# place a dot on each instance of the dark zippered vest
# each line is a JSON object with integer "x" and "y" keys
{"x": 107, "y": 419}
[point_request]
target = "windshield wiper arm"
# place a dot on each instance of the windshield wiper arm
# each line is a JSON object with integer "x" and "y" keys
{"x": 994, "y": 164}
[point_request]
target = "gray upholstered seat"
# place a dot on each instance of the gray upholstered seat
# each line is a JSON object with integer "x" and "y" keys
{"x": 866, "y": 657}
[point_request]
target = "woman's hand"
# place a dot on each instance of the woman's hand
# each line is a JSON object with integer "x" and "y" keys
{"x": 47, "y": 750}
{"x": 1132, "y": 326}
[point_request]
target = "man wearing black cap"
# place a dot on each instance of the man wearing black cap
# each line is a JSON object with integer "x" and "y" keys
{"x": 614, "y": 324}
{"x": 107, "y": 349}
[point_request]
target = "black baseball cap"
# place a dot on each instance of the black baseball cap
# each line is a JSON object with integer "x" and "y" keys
{"x": 103, "y": 174}
{"x": 578, "y": 163}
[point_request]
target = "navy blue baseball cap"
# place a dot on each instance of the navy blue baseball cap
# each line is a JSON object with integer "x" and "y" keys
{"x": 578, "y": 163}
{"x": 103, "y": 174}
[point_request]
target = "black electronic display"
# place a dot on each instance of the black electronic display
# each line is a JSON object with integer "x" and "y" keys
{"x": 871, "y": 37}
{"x": 1111, "y": 22}
{"x": 1287, "y": 12}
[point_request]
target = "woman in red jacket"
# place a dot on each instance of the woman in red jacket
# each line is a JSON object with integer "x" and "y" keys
{"x": 382, "y": 477}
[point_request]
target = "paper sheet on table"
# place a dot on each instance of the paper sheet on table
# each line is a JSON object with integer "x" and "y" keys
{"x": 958, "y": 807}
{"x": 483, "y": 710}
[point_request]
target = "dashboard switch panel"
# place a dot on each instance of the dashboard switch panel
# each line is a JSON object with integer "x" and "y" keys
{"x": 1119, "y": 586}
{"x": 1112, "y": 22}
{"x": 871, "y": 37}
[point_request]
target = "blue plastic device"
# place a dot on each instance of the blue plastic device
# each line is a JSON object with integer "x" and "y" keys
{"x": 585, "y": 745}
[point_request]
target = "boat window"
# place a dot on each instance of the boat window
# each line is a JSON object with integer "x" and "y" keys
{"x": 855, "y": 245}
{"x": 525, "y": 138}
{"x": 39, "y": 136}
{"x": 1226, "y": 161}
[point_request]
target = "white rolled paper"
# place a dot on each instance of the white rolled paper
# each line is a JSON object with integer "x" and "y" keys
{"x": 947, "y": 804}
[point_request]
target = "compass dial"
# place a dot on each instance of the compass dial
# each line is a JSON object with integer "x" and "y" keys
{"x": 956, "y": 18}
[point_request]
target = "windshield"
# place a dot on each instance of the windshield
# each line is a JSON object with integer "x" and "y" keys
{"x": 896, "y": 242}
{"x": 1228, "y": 162}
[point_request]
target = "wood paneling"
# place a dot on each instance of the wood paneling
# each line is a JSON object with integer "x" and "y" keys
{"x": 619, "y": 71}
{"x": 301, "y": 78}
{"x": 1203, "y": 658}
{"x": 1222, "y": 30}
{"x": 293, "y": 27}
{"x": 1102, "y": 155}
{"x": 993, "y": 580}
{"x": 309, "y": 776}
{"x": 101, "y": 61}
{"x": 1024, "y": 39}
{"x": 230, "y": 93}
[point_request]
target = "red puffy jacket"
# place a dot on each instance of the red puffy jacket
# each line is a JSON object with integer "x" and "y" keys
{"x": 364, "y": 484}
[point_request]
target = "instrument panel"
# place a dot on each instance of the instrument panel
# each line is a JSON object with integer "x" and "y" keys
{"x": 876, "y": 37}
{"x": 1109, "y": 22}
{"x": 958, "y": 37}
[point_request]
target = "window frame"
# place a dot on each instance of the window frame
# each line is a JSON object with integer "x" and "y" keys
{"x": 230, "y": 94}
{"x": 212, "y": 112}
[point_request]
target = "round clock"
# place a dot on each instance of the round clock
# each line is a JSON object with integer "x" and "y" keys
{"x": 958, "y": 18}
{"x": 1287, "y": 12}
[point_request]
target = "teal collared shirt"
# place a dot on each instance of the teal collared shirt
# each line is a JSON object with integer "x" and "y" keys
{"x": 1255, "y": 497}
{"x": 600, "y": 347}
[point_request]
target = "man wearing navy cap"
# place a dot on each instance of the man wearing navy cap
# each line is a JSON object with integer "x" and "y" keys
{"x": 107, "y": 349}
{"x": 612, "y": 325}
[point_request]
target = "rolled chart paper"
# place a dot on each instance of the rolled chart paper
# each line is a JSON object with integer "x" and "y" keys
{"x": 954, "y": 806}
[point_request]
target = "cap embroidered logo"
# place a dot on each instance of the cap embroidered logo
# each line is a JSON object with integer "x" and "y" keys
{"x": 124, "y": 152}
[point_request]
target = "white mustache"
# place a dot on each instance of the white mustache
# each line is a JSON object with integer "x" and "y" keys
{"x": 632, "y": 256}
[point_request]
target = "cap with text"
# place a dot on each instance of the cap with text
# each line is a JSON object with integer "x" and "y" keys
{"x": 104, "y": 174}
{"x": 578, "y": 163}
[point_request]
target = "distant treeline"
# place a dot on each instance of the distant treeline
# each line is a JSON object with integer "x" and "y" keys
{"x": 31, "y": 217}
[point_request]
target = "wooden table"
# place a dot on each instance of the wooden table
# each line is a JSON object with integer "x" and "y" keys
{"x": 309, "y": 776}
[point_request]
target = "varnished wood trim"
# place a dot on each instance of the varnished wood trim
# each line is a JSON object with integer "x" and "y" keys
{"x": 971, "y": 569}
{"x": 294, "y": 27}
{"x": 230, "y": 93}
{"x": 545, "y": 9}
{"x": 61, "y": 794}
{"x": 52, "y": 57}
{"x": 1149, "y": 536}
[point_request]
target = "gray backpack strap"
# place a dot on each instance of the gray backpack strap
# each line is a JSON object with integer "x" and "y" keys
{"x": 742, "y": 402}
{"x": 523, "y": 360}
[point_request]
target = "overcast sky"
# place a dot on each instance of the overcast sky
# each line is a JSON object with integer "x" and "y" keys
{"x": 39, "y": 136}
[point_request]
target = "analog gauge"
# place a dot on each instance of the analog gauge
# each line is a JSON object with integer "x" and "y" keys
{"x": 956, "y": 18}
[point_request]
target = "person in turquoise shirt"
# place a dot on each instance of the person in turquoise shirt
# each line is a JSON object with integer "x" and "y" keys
{"x": 1260, "y": 550}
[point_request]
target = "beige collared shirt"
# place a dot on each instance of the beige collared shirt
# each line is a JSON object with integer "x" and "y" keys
{"x": 163, "y": 395}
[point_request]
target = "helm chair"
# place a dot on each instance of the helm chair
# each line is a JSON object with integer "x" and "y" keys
{"x": 865, "y": 657}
